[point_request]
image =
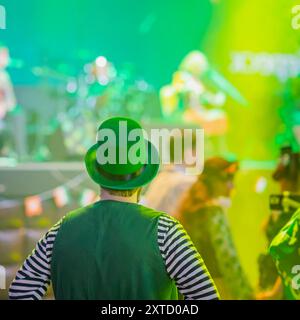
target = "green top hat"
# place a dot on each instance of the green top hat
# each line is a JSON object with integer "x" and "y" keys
{"x": 122, "y": 159}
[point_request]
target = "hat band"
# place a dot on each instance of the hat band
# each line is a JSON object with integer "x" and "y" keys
{"x": 121, "y": 177}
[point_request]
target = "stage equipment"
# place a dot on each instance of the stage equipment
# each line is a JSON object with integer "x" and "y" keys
{"x": 284, "y": 202}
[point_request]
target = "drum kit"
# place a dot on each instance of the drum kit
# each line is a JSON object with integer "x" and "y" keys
{"x": 98, "y": 91}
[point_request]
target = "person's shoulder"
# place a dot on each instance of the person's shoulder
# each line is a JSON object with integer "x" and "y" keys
{"x": 80, "y": 213}
{"x": 166, "y": 217}
{"x": 163, "y": 216}
{"x": 168, "y": 221}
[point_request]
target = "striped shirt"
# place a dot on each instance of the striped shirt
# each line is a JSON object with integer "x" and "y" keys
{"x": 182, "y": 260}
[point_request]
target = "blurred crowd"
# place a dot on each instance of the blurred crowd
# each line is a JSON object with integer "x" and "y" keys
{"x": 201, "y": 205}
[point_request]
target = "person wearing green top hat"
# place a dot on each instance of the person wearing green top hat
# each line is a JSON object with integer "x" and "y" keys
{"x": 116, "y": 248}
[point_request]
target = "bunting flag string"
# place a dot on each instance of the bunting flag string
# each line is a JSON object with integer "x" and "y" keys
{"x": 33, "y": 204}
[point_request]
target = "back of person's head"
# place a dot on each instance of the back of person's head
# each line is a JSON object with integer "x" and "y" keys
{"x": 209, "y": 185}
{"x": 122, "y": 193}
{"x": 217, "y": 170}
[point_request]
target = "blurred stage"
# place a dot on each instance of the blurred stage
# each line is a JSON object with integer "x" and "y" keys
{"x": 209, "y": 64}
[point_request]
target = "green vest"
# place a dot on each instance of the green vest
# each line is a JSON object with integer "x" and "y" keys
{"x": 109, "y": 250}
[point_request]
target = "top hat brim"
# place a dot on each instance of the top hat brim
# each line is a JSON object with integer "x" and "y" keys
{"x": 147, "y": 175}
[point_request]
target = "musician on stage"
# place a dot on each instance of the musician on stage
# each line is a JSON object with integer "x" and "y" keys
{"x": 7, "y": 96}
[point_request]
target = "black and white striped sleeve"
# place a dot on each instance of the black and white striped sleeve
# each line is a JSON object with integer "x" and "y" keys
{"x": 33, "y": 279}
{"x": 183, "y": 262}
